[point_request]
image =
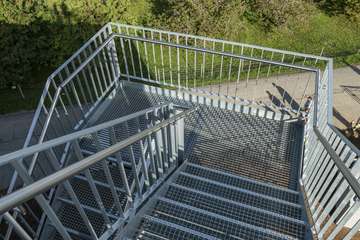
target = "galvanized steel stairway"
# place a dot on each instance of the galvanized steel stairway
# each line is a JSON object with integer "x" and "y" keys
{"x": 238, "y": 179}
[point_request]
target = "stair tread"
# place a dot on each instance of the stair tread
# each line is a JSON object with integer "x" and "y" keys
{"x": 241, "y": 195}
{"x": 167, "y": 230}
{"x": 209, "y": 223}
{"x": 241, "y": 212}
{"x": 243, "y": 182}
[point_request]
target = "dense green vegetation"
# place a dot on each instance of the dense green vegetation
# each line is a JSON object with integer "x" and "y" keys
{"x": 36, "y": 36}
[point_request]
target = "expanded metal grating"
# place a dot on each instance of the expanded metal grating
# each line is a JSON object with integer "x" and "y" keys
{"x": 71, "y": 219}
{"x": 241, "y": 182}
{"x": 244, "y": 197}
{"x": 243, "y": 213}
{"x": 251, "y": 146}
{"x": 150, "y": 229}
{"x": 207, "y": 224}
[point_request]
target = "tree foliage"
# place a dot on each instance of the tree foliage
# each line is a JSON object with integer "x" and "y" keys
{"x": 36, "y": 36}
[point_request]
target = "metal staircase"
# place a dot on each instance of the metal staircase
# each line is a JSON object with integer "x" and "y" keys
{"x": 148, "y": 134}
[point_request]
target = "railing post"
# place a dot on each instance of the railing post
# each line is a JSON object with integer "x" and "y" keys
{"x": 330, "y": 92}
{"x": 19, "y": 230}
{"x": 42, "y": 201}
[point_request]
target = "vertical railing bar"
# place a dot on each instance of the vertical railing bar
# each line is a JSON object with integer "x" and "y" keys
{"x": 229, "y": 72}
{"x": 69, "y": 189}
{"x": 26, "y": 225}
{"x": 88, "y": 67}
{"x": 170, "y": 64}
{"x": 121, "y": 165}
{"x": 162, "y": 59}
{"x": 19, "y": 230}
{"x": 203, "y": 64}
{"x": 29, "y": 209}
{"x": 221, "y": 67}
{"x": 106, "y": 63}
{"x": 238, "y": 75}
{"x": 138, "y": 54}
{"x": 282, "y": 60}
{"x": 146, "y": 56}
{"x": 60, "y": 98}
{"x": 133, "y": 163}
{"x": 186, "y": 64}
{"x": 355, "y": 228}
{"x": 154, "y": 56}
{"x": 79, "y": 83}
{"x": 86, "y": 83}
{"x": 108, "y": 176}
{"x": 74, "y": 112}
{"x": 249, "y": 68}
{"x": 258, "y": 73}
{"x": 178, "y": 60}
{"x": 101, "y": 65}
{"x": 153, "y": 164}
{"x": 125, "y": 59}
{"x": 268, "y": 72}
{"x": 91, "y": 183}
{"x": 108, "y": 59}
{"x": 44, "y": 204}
{"x": 142, "y": 156}
{"x": 296, "y": 83}
{"x": 131, "y": 52}
{"x": 195, "y": 56}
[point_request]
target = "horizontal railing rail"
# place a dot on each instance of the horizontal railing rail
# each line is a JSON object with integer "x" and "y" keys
{"x": 149, "y": 167}
{"x": 16, "y": 198}
{"x": 131, "y": 29}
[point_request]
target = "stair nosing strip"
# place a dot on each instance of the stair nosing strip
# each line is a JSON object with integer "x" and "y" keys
{"x": 245, "y": 179}
{"x": 181, "y": 228}
{"x": 295, "y": 205}
{"x": 278, "y": 215}
{"x": 246, "y": 225}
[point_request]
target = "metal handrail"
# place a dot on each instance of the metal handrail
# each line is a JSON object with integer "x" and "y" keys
{"x": 36, "y": 188}
{"x": 221, "y": 41}
{"x": 22, "y": 153}
{"x": 205, "y": 50}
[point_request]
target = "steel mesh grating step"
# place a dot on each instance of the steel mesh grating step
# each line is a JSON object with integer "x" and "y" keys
{"x": 244, "y": 214}
{"x": 71, "y": 219}
{"x": 152, "y": 229}
{"x": 245, "y": 197}
{"x": 245, "y": 145}
{"x": 240, "y": 182}
{"x": 206, "y": 224}
{"x": 86, "y": 197}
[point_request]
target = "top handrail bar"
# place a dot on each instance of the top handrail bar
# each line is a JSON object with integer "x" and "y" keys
{"x": 204, "y": 50}
{"x": 36, "y": 188}
{"x": 73, "y": 56}
{"x": 7, "y": 158}
{"x": 50, "y": 78}
{"x": 224, "y": 41}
